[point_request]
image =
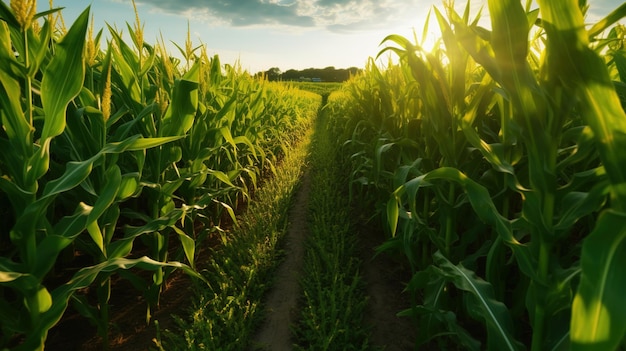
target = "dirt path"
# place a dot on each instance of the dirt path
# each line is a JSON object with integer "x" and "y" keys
{"x": 382, "y": 275}
{"x": 281, "y": 301}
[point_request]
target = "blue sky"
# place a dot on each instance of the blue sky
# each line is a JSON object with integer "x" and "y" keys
{"x": 260, "y": 34}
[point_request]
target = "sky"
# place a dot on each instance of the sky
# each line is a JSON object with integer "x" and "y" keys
{"x": 288, "y": 34}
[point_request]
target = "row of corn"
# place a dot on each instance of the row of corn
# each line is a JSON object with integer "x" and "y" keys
{"x": 496, "y": 162}
{"x": 116, "y": 158}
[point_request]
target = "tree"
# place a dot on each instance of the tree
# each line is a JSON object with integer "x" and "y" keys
{"x": 273, "y": 74}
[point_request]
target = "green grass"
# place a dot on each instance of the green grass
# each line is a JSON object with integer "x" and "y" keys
{"x": 334, "y": 301}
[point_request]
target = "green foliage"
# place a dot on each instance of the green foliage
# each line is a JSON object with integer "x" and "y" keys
{"x": 493, "y": 164}
{"x": 110, "y": 150}
{"x": 227, "y": 310}
{"x": 334, "y": 303}
{"x": 321, "y": 88}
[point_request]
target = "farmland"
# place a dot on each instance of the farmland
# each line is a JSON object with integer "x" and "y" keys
{"x": 486, "y": 177}
{"x": 495, "y": 163}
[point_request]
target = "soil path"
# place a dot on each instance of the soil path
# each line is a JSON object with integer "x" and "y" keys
{"x": 281, "y": 301}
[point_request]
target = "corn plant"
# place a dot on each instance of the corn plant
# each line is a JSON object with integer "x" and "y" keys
{"x": 512, "y": 160}
{"x": 114, "y": 149}
{"x": 598, "y": 314}
{"x": 53, "y": 204}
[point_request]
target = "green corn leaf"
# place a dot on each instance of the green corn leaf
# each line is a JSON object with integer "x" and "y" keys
{"x": 129, "y": 186}
{"x": 129, "y": 55}
{"x": 14, "y": 122}
{"x": 25, "y": 283}
{"x": 607, "y": 21}
{"x": 493, "y": 153}
{"x": 221, "y": 176}
{"x": 122, "y": 247}
{"x": 135, "y": 143}
{"x": 189, "y": 246}
{"x": 63, "y": 78}
{"x": 107, "y": 194}
{"x": 105, "y": 199}
{"x": 147, "y": 143}
{"x": 38, "y": 163}
{"x": 403, "y": 42}
{"x": 48, "y": 12}
{"x": 226, "y": 133}
{"x": 476, "y": 46}
{"x": 23, "y": 232}
{"x": 509, "y": 35}
{"x": 38, "y": 47}
{"x": 619, "y": 58}
{"x": 242, "y": 139}
{"x": 6, "y": 49}
{"x": 96, "y": 235}
{"x": 510, "y": 25}
{"x": 37, "y": 299}
{"x": 598, "y": 311}
{"x": 229, "y": 210}
{"x": 576, "y": 205}
{"x": 226, "y": 108}
{"x": 71, "y": 226}
{"x": 126, "y": 65}
{"x": 148, "y": 61}
{"x": 40, "y": 301}
{"x": 458, "y": 59}
{"x": 75, "y": 173}
{"x": 495, "y": 313}
{"x": 120, "y": 146}
{"x": 85, "y": 132}
{"x": 393, "y": 214}
{"x": 181, "y": 112}
{"x": 9, "y": 273}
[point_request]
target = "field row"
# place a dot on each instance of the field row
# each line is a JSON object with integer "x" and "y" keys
{"x": 119, "y": 158}
{"x": 495, "y": 164}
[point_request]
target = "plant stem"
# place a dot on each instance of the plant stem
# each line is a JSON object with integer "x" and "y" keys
{"x": 28, "y": 91}
{"x": 30, "y": 244}
{"x": 450, "y": 220}
{"x": 543, "y": 270}
{"x": 540, "y": 287}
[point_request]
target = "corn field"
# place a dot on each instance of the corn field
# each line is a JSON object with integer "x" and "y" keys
{"x": 496, "y": 164}
{"x": 118, "y": 157}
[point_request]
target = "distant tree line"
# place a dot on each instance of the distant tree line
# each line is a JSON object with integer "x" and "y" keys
{"x": 328, "y": 74}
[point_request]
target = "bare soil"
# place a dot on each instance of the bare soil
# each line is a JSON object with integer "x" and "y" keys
{"x": 129, "y": 330}
{"x": 281, "y": 301}
{"x": 385, "y": 279}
